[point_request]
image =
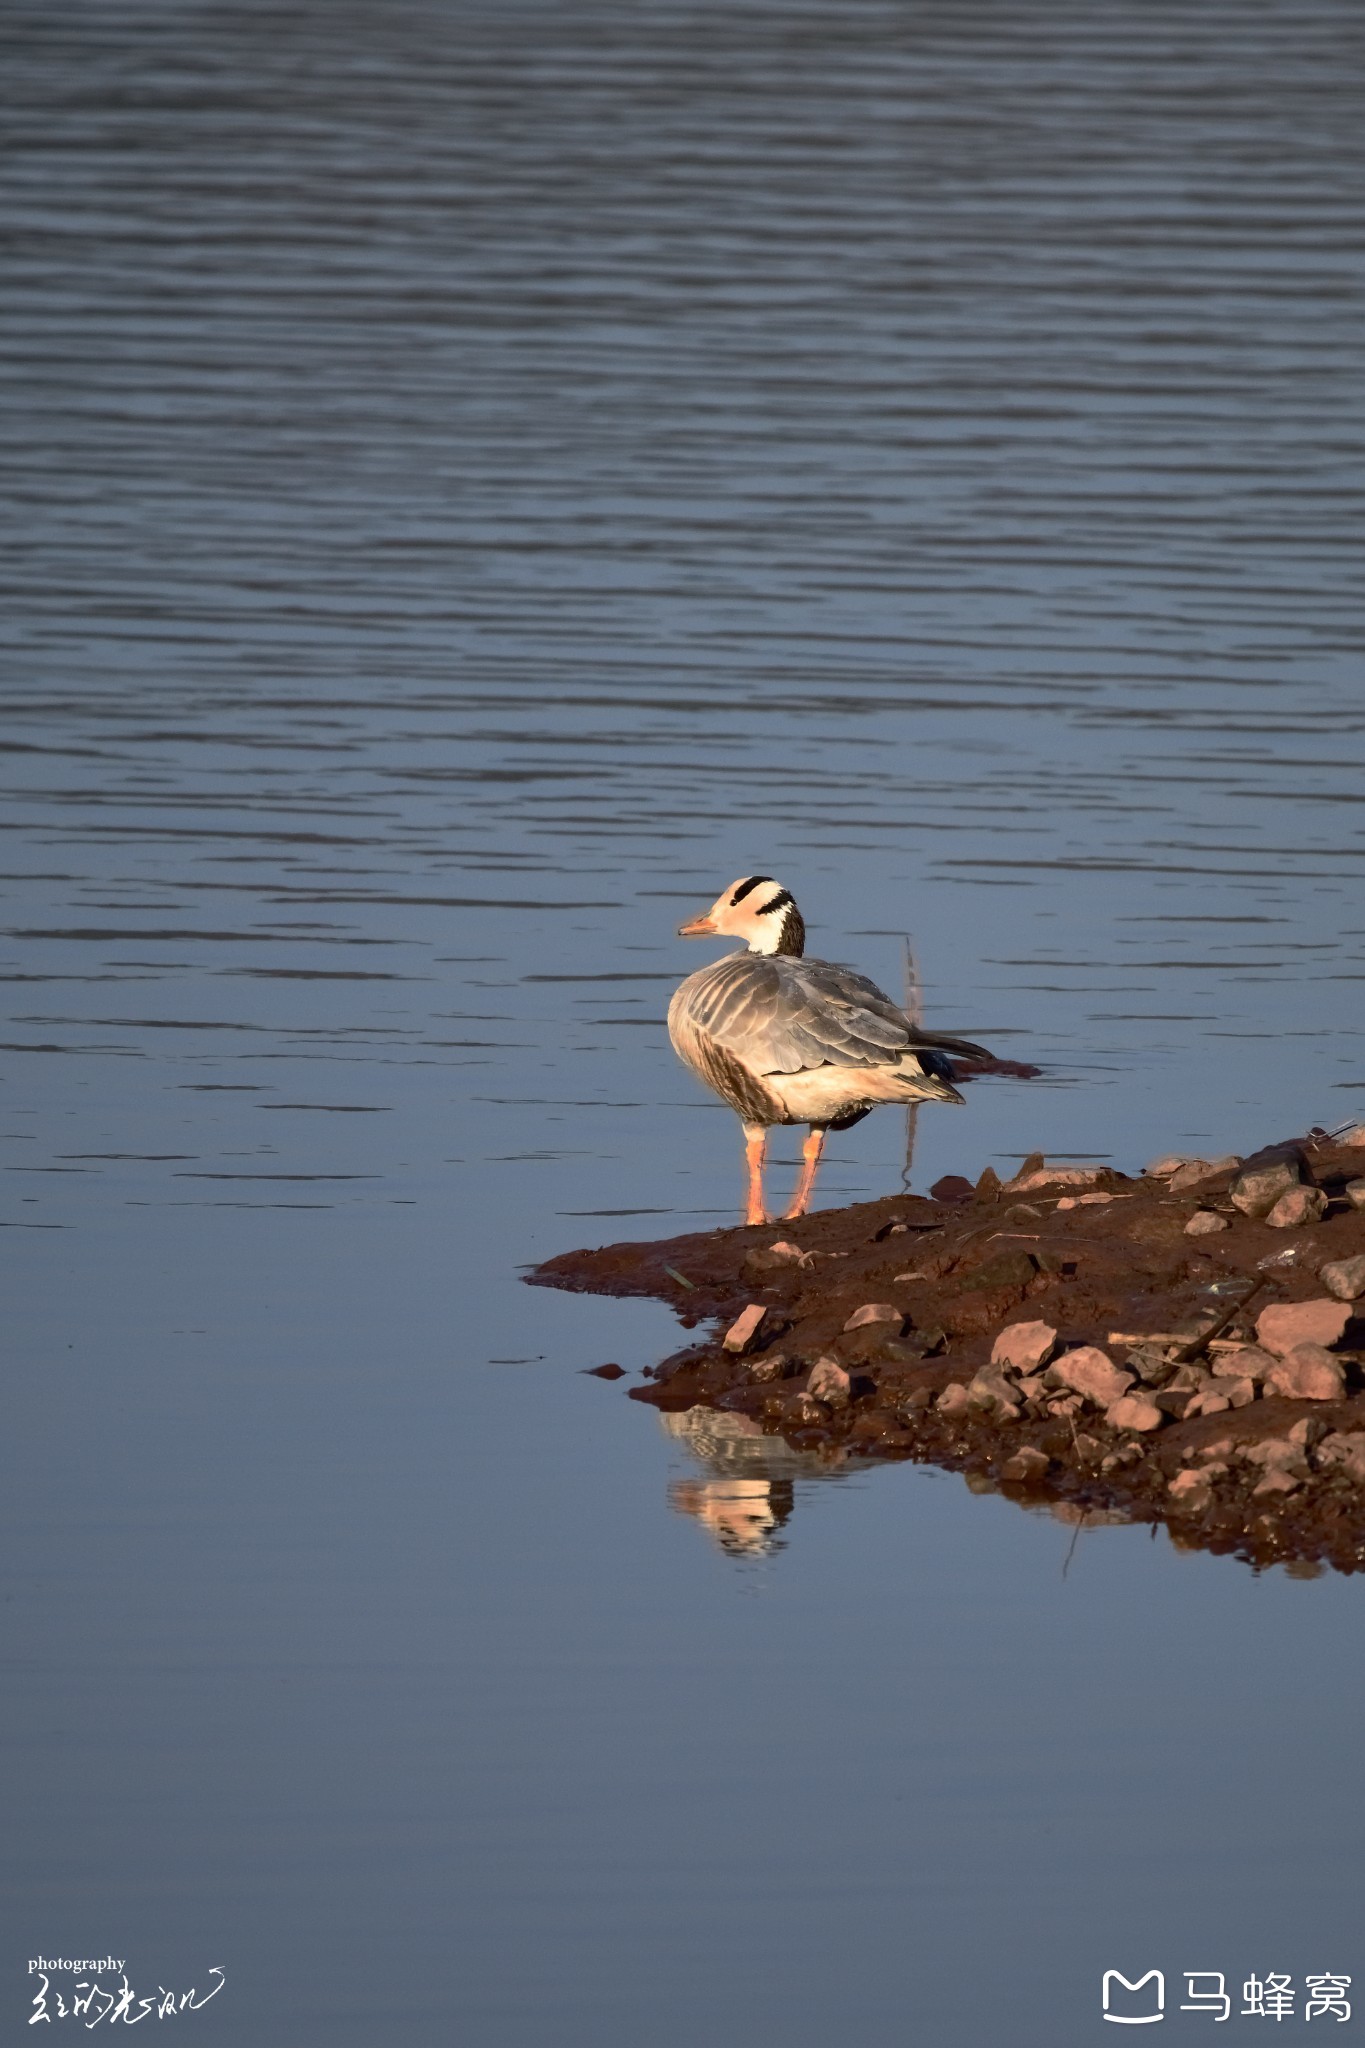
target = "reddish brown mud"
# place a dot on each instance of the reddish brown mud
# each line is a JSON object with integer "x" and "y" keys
{"x": 1183, "y": 1428}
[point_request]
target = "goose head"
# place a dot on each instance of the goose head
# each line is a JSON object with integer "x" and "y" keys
{"x": 756, "y": 909}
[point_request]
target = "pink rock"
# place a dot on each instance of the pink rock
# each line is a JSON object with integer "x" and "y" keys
{"x": 1299, "y": 1206}
{"x": 1026, "y": 1465}
{"x": 1091, "y": 1372}
{"x": 1059, "y": 1177}
{"x": 1256, "y": 1191}
{"x": 1289, "y": 1323}
{"x": 1204, "y": 1223}
{"x": 1277, "y": 1452}
{"x": 1134, "y": 1411}
{"x": 1169, "y": 1162}
{"x": 1344, "y": 1277}
{"x": 1082, "y": 1201}
{"x": 1344, "y": 1452}
{"x": 1353, "y": 1137}
{"x": 1355, "y": 1193}
{"x": 876, "y": 1312}
{"x": 829, "y": 1382}
{"x": 1192, "y": 1488}
{"x": 991, "y": 1392}
{"x": 791, "y": 1254}
{"x": 953, "y": 1402}
{"x": 1276, "y": 1480}
{"x": 1240, "y": 1393}
{"x": 1248, "y": 1363}
{"x": 1024, "y": 1346}
{"x": 744, "y": 1330}
{"x": 1188, "y": 1174}
{"x": 1308, "y": 1374}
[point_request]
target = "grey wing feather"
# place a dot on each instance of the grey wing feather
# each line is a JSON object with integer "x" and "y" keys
{"x": 785, "y": 1016}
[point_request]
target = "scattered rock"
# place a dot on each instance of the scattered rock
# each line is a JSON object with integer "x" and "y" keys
{"x": 1344, "y": 1277}
{"x": 1091, "y": 1372}
{"x": 1276, "y": 1480}
{"x": 1066, "y": 1404}
{"x": 1354, "y": 1192}
{"x": 743, "y": 1332}
{"x": 1277, "y": 1452}
{"x": 1151, "y": 1364}
{"x": 1080, "y": 1201}
{"x": 606, "y": 1372}
{"x": 1024, "y": 1346}
{"x": 1344, "y": 1452}
{"x": 791, "y": 1254}
{"x": 804, "y": 1410}
{"x": 773, "y": 1367}
{"x": 829, "y": 1382}
{"x": 1356, "y": 1136}
{"x": 1088, "y": 1449}
{"x": 1027, "y": 1465}
{"x": 1006, "y": 1269}
{"x": 1222, "y": 1448}
{"x": 1297, "y": 1207}
{"x": 994, "y": 1395}
{"x": 876, "y": 1312}
{"x": 1241, "y": 1393}
{"x": 1169, "y": 1162}
{"x": 1189, "y": 1379}
{"x": 953, "y": 1401}
{"x": 1126, "y": 1454}
{"x": 1191, "y": 1491}
{"x": 1308, "y": 1374}
{"x": 1057, "y": 1177}
{"x": 1307, "y": 1431}
{"x": 1196, "y": 1170}
{"x": 1250, "y": 1362}
{"x": 1205, "y": 1222}
{"x": 1258, "y": 1188}
{"x": 1286, "y": 1324}
{"x": 916, "y": 1401}
{"x": 1134, "y": 1411}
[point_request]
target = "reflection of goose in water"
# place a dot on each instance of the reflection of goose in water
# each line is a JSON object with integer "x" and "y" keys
{"x": 786, "y": 1040}
{"x": 749, "y": 1491}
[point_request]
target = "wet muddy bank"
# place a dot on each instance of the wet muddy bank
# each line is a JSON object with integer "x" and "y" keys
{"x": 1184, "y": 1346}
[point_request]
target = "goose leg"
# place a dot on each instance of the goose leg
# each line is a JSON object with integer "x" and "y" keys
{"x": 810, "y": 1154}
{"x": 755, "y": 1146}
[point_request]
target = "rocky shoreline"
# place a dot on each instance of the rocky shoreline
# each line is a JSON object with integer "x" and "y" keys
{"x": 1184, "y": 1346}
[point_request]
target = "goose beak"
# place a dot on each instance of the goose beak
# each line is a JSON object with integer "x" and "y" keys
{"x": 696, "y": 928}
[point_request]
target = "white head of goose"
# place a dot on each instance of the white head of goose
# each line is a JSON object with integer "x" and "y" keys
{"x": 787, "y": 1040}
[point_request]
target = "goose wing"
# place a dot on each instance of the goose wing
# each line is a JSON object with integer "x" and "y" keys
{"x": 781, "y": 1015}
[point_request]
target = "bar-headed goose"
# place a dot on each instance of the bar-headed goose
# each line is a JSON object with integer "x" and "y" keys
{"x": 786, "y": 1040}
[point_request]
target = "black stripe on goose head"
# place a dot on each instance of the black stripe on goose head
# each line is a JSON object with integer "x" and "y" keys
{"x": 744, "y": 888}
{"x": 792, "y": 937}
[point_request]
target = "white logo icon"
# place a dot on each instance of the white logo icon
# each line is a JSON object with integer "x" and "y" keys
{"x": 1135, "y": 2019}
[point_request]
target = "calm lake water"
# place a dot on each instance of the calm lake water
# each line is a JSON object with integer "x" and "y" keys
{"x": 480, "y": 476}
